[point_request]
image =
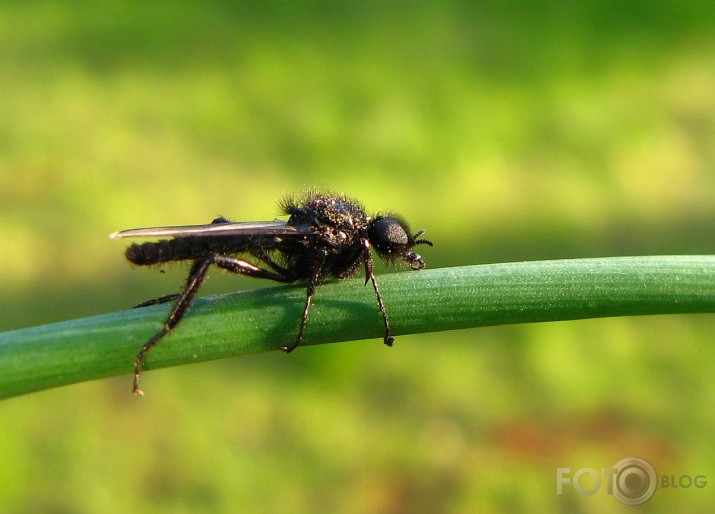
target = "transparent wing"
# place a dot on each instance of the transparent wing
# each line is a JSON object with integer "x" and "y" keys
{"x": 249, "y": 228}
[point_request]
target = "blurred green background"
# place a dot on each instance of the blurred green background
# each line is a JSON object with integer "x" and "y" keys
{"x": 510, "y": 131}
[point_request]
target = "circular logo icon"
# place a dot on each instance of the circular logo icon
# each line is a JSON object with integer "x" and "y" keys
{"x": 635, "y": 481}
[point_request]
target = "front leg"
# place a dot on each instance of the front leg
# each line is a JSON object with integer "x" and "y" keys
{"x": 370, "y": 275}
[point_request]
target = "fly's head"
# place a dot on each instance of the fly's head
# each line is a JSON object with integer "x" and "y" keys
{"x": 393, "y": 241}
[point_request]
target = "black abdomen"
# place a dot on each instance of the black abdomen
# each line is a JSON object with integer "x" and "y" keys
{"x": 165, "y": 251}
{"x": 192, "y": 248}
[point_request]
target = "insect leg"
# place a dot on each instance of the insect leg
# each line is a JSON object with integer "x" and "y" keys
{"x": 266, "y": 259}
{"x": 243, "y": 267}
{"x": 196, "y": 276}
{"x": 186, "y": 297}
{"x": 156, "y": 301}
{"x": 370, "y": 275}
{"x": 312, "y": 282}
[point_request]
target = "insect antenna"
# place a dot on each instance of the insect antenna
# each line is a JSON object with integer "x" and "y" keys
{"x": 422, "y": 241}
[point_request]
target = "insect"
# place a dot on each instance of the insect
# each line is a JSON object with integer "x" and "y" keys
{"x": 326, "y": 236}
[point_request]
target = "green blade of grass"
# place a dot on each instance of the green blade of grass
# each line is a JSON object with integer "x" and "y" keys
{"x": 432, "y": 300}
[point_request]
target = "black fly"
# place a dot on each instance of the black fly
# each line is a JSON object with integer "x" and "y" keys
{"x": 326, "y": 236}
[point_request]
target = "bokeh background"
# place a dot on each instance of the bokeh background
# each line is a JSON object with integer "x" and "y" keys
{"x": 509, "y": 130}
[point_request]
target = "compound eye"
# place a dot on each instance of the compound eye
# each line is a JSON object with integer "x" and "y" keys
{"x": 391, "y": 231}
{"x": 389, "y": 236}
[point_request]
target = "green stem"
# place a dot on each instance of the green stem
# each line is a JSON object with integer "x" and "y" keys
{"x": 432, "y": 300}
